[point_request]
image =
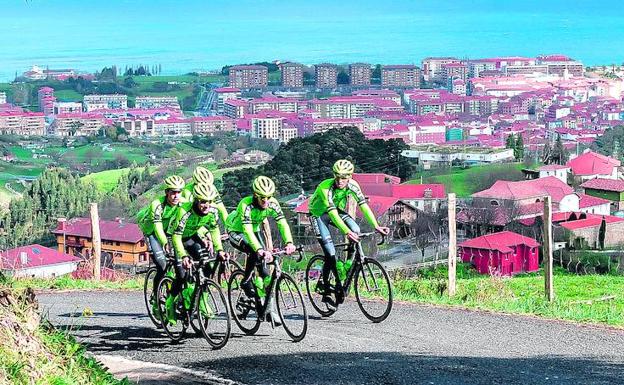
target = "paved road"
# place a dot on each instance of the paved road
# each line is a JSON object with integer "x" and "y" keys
{"x": 416, "y": 345}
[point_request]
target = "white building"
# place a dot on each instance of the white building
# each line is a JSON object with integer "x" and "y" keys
{"x": 151, "y": 102}
{"x": 36, "y": 261}
{"x": 113, "y": 102}
{"x": 558, "y": 171}
{"x": 3, "y": 98}
{"x": 66, "y": 107}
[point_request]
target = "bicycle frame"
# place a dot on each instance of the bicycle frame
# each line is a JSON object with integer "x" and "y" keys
{"x": 358, "y": 259}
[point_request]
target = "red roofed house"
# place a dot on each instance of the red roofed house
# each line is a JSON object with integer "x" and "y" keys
{"x": 587, "y": 227}
{"x": 504, "y": 253}
{"x": 528, "y": 195}
{"x": 556, "y": 170}
{"x": 610, "y": 189}
{"x": 122, "y": 240}
{"x": 591, "y": 165}
{"x": 37, "y": 261}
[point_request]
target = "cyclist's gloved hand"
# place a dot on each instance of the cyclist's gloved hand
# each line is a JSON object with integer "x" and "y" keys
{"x": 221, "y": 255}
{"x": 187, "y": 263}
{"x": 290, "y": 248}
{"x": 207, "y": 244}
{"x": 266, "y": 255}
{"x": 353, "y": 236}
{"x": 382, "y": 230}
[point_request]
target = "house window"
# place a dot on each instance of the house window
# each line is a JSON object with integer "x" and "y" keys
{"x": 117, "y": 243}
{"x": 494, "y": 203}
{"x": 142, "y": 243}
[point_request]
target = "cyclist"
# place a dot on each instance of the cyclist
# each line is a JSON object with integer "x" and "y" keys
{"x": 203, "y": 175}
{"x": 155, "y": 220}
{"x": 328, "y": 207}
{"x": 196, "y": 224}
{"x": 243, "y": 226}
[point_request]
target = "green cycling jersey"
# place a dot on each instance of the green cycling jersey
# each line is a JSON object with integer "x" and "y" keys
{"x": 248, "y": 217}
{"x": 189, "y": 222}
{"x": 328, "y": 198}
{"x": 156, "y": 218}
{"x": 187, "y": 195}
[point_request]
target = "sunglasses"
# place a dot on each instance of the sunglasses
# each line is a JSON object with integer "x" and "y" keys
{"x": 203, "y": 202}
{"x": 342, "y": 176}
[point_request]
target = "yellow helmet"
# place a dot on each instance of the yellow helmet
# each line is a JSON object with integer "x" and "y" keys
{"x": 205, "y": 192}
{"x": 202, "y": 175}
{"x": 343, "y": 167}
{"x": 263, "y": 186}
{"x": 174, "y": 182}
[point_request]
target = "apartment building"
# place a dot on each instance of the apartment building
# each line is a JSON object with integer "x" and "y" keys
{"x": 223, "y": 95}
{"x": 326, "y": 75}
{"x": 22, "y": 123}
{"x": 150, "y": 102}
{"x": 274, "y": 127}
{"x": 3, "y": 98}
{"x": 45, "y": 96}
{"x": 432, "y": 67}
{"x": 66, "y": 107}
{"x": 99, "y": 102}
{"x": 273, "y": 103}
{"x": 400, "y": 76}
{"x": 78, "y": 124}
{"x": 249, "y": 76}
{"x": 208, "y": 125}
{"x": 292, "y": 75}
{"x": 360, "y": 74}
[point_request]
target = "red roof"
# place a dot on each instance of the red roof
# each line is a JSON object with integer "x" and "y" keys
{"x": 591, "y": 221}
{"x": 379, "y": 205}
{"x": 604, "y": 184}
{"x": 591, "y": 163}
{"x": 590, "y": 201}
{"x": 527, "y": 189}
{"x": 118, "y": 231}
{"x": 376, "y": 178}
{"x": 553, "y": 167}
{"x": 501, "y": 241}
{"x": 37, "y": 255}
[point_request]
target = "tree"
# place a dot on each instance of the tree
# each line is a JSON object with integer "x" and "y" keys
{"x": 519, "y": 148}
{"x": 343, "y": 78}
{"x": 560, "y": 154}
{"x": 547, "y": 153}
{"x": 220, "y": 154}
{"x": 602, "y": 232}
{"x": 510, "y": 142}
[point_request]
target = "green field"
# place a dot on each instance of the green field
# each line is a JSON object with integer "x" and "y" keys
{"x": 68, "y": 95}
{"x": 106, "y": 180}
{"x": 461, "y": 181}
{"x": 585, "y": 298}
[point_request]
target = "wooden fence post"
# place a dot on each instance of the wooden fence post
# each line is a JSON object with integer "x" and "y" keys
{"x": 548, "y": 249}
{"x": 96, "y": 241}
{"x": 452, "y": 246}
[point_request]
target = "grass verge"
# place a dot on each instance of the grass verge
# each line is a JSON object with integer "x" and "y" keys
{"x": 66, "y": 282}
{"x": 35, "y": 353}
{"x": 586, "y": 298}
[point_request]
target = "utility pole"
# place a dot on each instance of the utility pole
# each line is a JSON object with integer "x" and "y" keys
{"x": 452, "y": 246}
{"x": 548, "y": 249}
{"x": 96, "y": 241}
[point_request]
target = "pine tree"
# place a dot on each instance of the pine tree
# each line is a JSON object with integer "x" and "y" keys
{"x": 519, "y": 148}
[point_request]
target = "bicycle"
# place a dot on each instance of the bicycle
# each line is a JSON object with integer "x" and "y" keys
{"x": 220, "y": 269}
{"x": 289, "y": 301}
{"x": 372, "y": 286}
{"x": 202, "y": 301}
{"x": 148, "y": 288}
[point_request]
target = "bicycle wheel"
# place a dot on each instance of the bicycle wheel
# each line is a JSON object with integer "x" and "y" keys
{"x": 242, "y": 308}
{"x": 150, "y": 297}
{"x": 176, "y": 326}
{"x": 213, "y": 314}
{"x": 224, "y": 274}
{"x": 313, "y": 278}
{"x": 291, "y": 307}
{"x": 373, "y": 290}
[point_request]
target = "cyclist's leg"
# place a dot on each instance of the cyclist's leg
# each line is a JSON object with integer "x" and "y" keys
{"x": 353, "y": 226}
{"x": 158, "y": 257}
{"x": 238, "y": 242}
{"x": 321, "y": 229}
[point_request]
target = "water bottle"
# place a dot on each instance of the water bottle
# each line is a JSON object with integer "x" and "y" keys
{"x": 187, "y": 295}
{"x": 348, "y": 263}
{"x": 259, "y": 283}
{"x": 342, "y": 273}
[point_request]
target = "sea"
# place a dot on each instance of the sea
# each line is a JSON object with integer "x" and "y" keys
{"x": 192, "y": 35}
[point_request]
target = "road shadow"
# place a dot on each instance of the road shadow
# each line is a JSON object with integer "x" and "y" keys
{"x": 419, "y": 368}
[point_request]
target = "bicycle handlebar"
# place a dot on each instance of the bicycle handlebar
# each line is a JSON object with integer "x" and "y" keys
{"x": 299, "y": 250}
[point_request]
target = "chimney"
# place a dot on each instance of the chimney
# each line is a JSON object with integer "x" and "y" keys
{"x": 23, "y": 258}
{"x": 61, "y": 224}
